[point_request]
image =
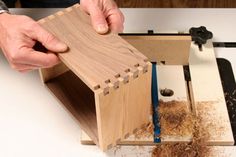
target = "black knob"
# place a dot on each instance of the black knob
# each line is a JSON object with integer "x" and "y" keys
{"x": 200, "y": 35}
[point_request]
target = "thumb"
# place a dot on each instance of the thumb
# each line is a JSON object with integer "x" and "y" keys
{"x": 48, "y": 40}
{"x": 98, "y": 20}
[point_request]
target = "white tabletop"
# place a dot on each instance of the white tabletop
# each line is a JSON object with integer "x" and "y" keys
{"x": 33, "y": 123}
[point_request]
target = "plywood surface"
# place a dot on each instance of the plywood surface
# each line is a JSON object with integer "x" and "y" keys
{"x": 96, "y": 59}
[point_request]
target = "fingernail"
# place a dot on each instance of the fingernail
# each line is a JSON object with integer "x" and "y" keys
{"x": 62, "y": 46}
{"x": 102, "y": 28}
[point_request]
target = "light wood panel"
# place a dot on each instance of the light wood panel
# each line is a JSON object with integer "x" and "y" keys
{"x": 207, "y": 95}
{"x": 162, "y": 48}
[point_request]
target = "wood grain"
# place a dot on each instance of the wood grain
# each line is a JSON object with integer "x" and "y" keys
{"x": 176, "y": 3}
{"x": 95, "y": 58}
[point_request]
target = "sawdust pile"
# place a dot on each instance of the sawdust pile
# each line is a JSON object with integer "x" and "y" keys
{"x": 176, "y": 119}
{"x": 196, "y": 148}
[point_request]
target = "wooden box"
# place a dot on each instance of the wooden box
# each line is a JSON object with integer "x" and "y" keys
{"x": 102, "y": 80}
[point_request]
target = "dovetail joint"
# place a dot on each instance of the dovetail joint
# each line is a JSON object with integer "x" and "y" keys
{"x": 51, "y": 17}
{"x": 41, "y": 21}
{"x": 145, "y": 69}
{"x": 59, "y": 13}
{"x": 106, "y": 91}
{"x": 69, "y": 9}
{"x": 76, "y": 5}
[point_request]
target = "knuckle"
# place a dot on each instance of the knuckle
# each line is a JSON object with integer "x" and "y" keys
{"x": 28, "y": 24}
{"x": 24, "y": 17}
{"x": 31, "y": 25}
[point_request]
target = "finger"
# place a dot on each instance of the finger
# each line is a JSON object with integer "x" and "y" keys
{"x": 116, "y": 21}
{"x": 48, "y": 40}
{"x": 36, "y": 58}
{"x": 23, "y": 67}
{"x": 98, "y": 20}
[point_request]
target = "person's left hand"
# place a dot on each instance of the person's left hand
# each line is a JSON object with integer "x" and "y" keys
{"x": 105, "y": 15}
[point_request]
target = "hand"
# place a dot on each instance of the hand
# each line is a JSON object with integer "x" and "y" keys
{"x": 104, "y": 14}
{"x": 17, "y": 39}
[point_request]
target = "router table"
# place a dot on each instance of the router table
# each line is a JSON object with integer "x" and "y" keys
{"x": 32, "y": 122}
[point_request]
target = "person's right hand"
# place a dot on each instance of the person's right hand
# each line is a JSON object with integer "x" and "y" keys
{"x": 17, "y": 38}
